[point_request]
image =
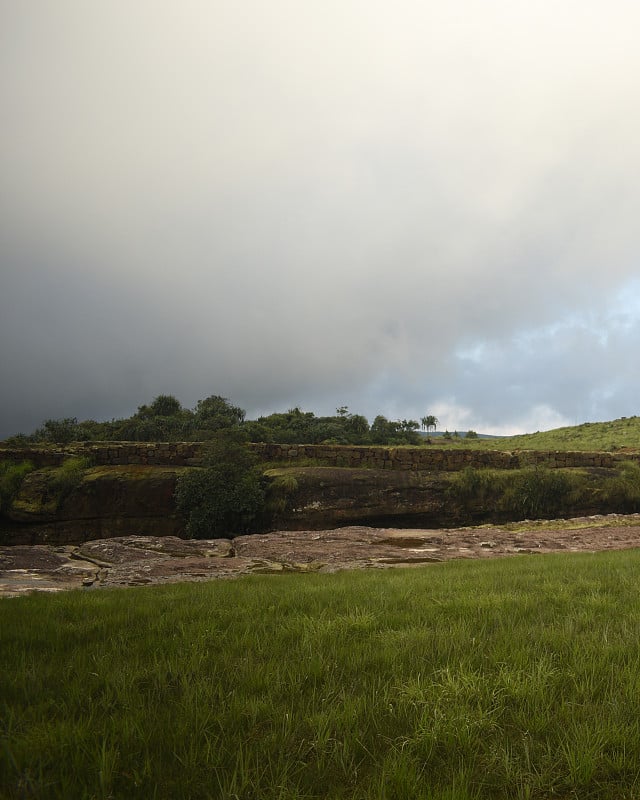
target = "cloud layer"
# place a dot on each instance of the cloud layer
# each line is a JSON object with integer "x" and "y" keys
{"x": 409, "y": 209}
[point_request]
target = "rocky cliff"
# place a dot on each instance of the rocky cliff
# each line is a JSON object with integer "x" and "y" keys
{"x": 106, "y": 502}
{"x": 135, "y": 499}
{"x": 333, "y": 496}
{"x": 130, "y": 492}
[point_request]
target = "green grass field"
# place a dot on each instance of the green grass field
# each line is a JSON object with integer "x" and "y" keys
{"x": 514, "y": 678}
{"x": 610, "y": 436}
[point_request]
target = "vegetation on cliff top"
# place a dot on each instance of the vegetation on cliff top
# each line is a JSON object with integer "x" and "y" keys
{"x": 165, "y": 420}
{"x": 230, "y": 496}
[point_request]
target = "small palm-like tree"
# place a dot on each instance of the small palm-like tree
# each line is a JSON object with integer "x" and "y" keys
{"x": 429, "y": 422}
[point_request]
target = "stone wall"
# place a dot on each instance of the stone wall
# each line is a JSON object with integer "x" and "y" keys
{"x": 429, "y": 458}
{"x": 181, "y": 454}
{"x": 426, "y": 458}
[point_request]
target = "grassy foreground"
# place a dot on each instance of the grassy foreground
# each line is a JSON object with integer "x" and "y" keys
{"x": 515, "y": 678}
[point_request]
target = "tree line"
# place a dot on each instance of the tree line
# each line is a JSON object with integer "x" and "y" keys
{"x": 165, "y": 420}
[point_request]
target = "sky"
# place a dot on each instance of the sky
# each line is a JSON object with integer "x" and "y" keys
{"x": 407, "y": 208}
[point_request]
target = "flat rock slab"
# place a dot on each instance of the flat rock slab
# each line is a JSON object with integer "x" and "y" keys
{"x": 139, "y": 560}
{"x": 25, "y": 568}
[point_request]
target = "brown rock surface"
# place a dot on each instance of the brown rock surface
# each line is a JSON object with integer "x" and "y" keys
{"x": 135, "y": 560}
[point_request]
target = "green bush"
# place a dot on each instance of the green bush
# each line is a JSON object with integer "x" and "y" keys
{"x": 58, "y": 431}
{"x": 68, "y": 476}
{"x": 531, "y": 492}
{"x": 622, "y": 492}
{"x": 538, "y": 492}
{"x": 11, "y": 477}
{"x": 226, "y": 495}
{"x": 279, "y": 494}
{"x": 476, "y": 487}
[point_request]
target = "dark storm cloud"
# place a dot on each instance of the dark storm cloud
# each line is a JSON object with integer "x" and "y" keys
{"x": 307, "y": 204}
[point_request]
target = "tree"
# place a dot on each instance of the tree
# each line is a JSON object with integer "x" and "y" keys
{"x": 165, "y": 405}
{"x": 429, "y": 422}
{"x": 226, "y": 496}
{"x": 217, "y": 412}
{"x": 141, "y": 428}
{"x": 409, "y": 425}
{"x": 257, "y": 431}
{"x": 59, "y": 431}
{"x": 357, "y": 424}
{"x": 382, "y": 430}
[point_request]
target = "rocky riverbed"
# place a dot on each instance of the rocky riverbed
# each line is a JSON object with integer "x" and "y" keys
{"x": 138, "y": 560}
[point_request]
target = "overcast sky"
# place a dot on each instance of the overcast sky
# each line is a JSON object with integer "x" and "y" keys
{"x": 407, "y": 208}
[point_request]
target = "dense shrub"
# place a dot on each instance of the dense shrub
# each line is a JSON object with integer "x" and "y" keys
{"x": 226, "y": 496}
{"x": 279, "y": 494}
{"x": 538, "y": 492}
{"x": 165, "y": 405}
{"x": 477, "y": 489}
{"x": 532, "y": 492}
{"x": 165, "y": 420}
{"x": 217, "y": 413}
{"x": 68, "y": 476}
{"x": 58, "y": 431}
{"x": 622, "y": 492}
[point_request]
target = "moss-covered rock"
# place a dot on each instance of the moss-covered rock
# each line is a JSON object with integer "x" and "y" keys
{"x": 106, "y": 501}
{"x": 325, "y": 497}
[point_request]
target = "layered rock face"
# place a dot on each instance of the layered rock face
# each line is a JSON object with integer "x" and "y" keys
{"x": 139, "y": 500}
{"x": 130, "y": 491}
{"x": 330, "y": 497}
{"x": 108, "y": 501}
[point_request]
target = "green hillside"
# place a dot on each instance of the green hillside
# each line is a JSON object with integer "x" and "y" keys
{"x": 619, "y": 434}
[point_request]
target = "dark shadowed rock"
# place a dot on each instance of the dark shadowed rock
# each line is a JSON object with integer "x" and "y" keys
{"x": 107, "y": 502}
{"x": 332, "y": 496}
